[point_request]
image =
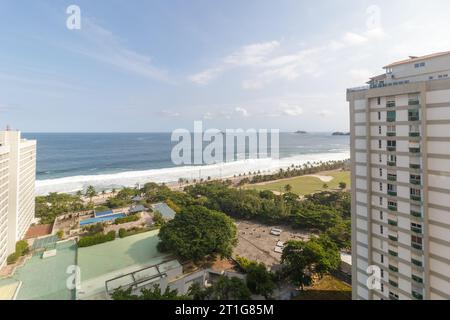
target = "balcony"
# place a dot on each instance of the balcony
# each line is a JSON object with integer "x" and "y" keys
{"x": 414, "y": 150}
{"x": 392, "y": 296}
{"x": 417, "y": 279}
{"x": 415, "y": 181}
{"x": 417, "y": 295}
{"x": 392, "y": 268}
{"x": 391, "y": 148}
{"x": 416, "y": 246}
{"x": 392, "y": 177}
{"x": 415, "y": 198}
{"x": 390, "y": 119}
{"x": 416, "y": 214}
{"x": 393, "y": 283}
{"x": 413, "y": 102}
{"x": 416, "y": 229}
{"x": 416, "y": 262}
{"x": 392, "y": 222}
{"x": 392, "y": 193}
{"x": 390, "y": 104}
{"x": 393, "y": 238}
{"x": 414, "y": 134}
{"x": 393, "y": 253}
{"x": 414, "y": 166}
{"x": 392, "y": 208}
{"x": 391, "y": 134}
{"x": 391, "y": 163}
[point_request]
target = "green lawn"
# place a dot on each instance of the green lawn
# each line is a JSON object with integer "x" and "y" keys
{"x": 328, "y": 288}
{"x": 306, "y": 185}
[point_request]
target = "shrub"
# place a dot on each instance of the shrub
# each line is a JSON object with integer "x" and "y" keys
{"x": 122, "y": 233}
{"x": 96, "y": 239}
{"x": 21, "y": 249}
{"x": 342, "y": 185}
{"x": 60, "y": 234}
{"x": 126, "y": 219}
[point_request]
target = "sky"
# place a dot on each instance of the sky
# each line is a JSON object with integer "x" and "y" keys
{"x": 155, "y": 66}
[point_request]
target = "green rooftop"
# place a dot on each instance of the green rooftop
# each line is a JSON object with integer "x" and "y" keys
{"x": 108, "y": 260}
{"x": 44, "y": 279}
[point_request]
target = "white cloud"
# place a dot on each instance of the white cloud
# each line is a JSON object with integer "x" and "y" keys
{"x": 293, "y": 111}
{"x": 354, "y": 39}
{"x": 170, "y": 114}
{"x": 241, "y": 111}
{"x": 205, "y": 76}
{"x": 325, "y": 113}
{"x": 103, "y": 46}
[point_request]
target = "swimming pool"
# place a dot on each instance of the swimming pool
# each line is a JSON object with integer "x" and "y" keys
{"x": 102, "y": 219}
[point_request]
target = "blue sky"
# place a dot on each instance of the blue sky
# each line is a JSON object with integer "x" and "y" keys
{"x": 160, "y": 65}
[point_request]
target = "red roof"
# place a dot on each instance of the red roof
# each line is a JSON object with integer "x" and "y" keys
{"x": 413, "y": 59}
{"x": 38, "y": 231}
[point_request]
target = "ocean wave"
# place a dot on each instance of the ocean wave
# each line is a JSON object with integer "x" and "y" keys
{"x": 222, "y": 170}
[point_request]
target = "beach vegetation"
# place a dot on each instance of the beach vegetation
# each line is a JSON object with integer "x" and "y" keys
{"x": 55, "y": 204}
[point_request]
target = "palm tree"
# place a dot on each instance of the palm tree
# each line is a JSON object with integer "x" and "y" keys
{"x": 91, "y": 192}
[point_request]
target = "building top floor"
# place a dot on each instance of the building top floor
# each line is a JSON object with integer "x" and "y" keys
{"x": 414, "y": 69}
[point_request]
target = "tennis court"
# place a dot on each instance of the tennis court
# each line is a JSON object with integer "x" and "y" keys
{"x": 165, "y": 210}
{"x": 45, "y": 243}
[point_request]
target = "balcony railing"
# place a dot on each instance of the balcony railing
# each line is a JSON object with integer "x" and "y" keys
{"x": 414, "y": 134}
{"x": 417, "y": 295}
{"x": 416, "y": 229}
{"x": 393, "y": 297}
{"x": 392, "y": 208}
{"x": 393, "y": 283}
{"x": 416, "y": 214}
{"x": 392, "y": 177}
{"x": 391, "y": 148}
{"x": 417, "y": 279}
{"x": 413, "y": 102}
{"x": 391, "y": 163}
{"x": 414, "y": 150}
{"x": 415, "y": 198}
{"x": 392, "y": 268}
{"x": 392, "y": 193}
{"x": 390, "y": 119}
{"x": 392, "y": 222}
{"x": 390, "y": 104}
{"x": 391, "y": 134}
{"x": 393, "y": 253}
{"x": 416, "y": 262}
{"x": 414, "y": 166}
{"x": 416, "y": 246}
{"x": 415, "y": 181}
{"x": 393, "y": 238}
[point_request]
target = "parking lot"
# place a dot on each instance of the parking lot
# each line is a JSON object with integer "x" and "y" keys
{"x": 257, "y": 243}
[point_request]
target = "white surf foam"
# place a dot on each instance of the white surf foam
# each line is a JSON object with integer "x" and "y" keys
{"x": 223, "y": 170}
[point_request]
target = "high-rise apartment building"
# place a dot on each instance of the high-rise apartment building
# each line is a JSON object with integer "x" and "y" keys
{"x": 400, "y": 152}
{"x": 17, "y": 184}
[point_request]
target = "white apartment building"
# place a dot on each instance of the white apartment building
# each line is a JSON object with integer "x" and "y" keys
{"x": 17, "y": 184}
{"x": 400, "y": 152}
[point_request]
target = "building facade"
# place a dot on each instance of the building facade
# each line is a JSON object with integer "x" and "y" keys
{"x": 17, "y": 184}
{"x": 400, "y": 152}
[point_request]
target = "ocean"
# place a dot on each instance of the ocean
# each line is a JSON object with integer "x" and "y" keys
{"x": 68, "y": 162}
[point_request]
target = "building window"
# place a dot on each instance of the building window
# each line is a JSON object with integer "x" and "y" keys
{"x": 381, "y": 229}
{"x": 379, "y": 115}
{"x": 382, "y": 258}
{"x": 379, "y": 129}
{"x": 380, "y": 158}
{"x": 381, "y": 186}
{"x": 381, "y": 201}
{"x": 419, "y": 65}
{"x": 381, "y": 215}
{"x": 379, "y": 100}
{"x": 379, "y": 144}
{"x": 381, "y": 172}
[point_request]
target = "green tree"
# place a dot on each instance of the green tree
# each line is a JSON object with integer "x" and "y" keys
{"x": 91, "y": 192}
{"x": 154, "y": 293}
{"x": 259, "y": 280}
{"x": 197, "y": 232}
{"x": 228, "y": 289}
{"x": 288, "y": 188}
{"x": 342, "y": 185}
{"x": 302, "y": 260}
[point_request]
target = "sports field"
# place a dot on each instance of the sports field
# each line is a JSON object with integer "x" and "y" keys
{"x": 306, "y": 184}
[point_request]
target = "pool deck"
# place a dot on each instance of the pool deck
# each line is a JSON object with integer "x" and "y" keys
{"x": 108, "y": 260}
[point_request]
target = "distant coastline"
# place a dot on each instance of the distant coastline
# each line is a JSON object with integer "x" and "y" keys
{"x": 338, "y": 133}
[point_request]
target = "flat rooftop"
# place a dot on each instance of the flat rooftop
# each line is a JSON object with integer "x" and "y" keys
{"x": 112, "y": 259}
{"x": 42, "y": 279}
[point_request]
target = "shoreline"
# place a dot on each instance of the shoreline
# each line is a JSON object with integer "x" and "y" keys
{"x": 170, "y": 176}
